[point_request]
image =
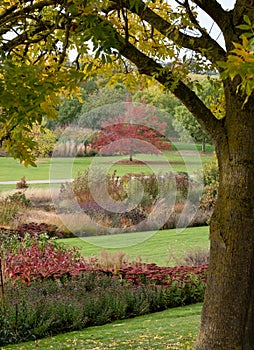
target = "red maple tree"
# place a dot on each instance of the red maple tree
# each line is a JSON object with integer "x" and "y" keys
{"x": 138, "y": 132}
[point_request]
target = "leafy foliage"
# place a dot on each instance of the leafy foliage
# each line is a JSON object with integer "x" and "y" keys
{"x": 210, "y": 179}
{"x": 120, "y": 33}
{"x": 28, "y": 93}
{"x": 36, "y": 261}
{"x": 65, "y": 292}
{"x": 103, "y": 103}
{"x": 127, "y": 134}
{"x": 241, "y": 58}
{"x": 71, "y": 106}
{"x": 45, "y": 141}
{"x": 138, "y": 37}
{"x": 165, "y": 104}
{"x": 210, "y": 174}
{"x": 188, "y": 128}
{"x": 93, "y": 298}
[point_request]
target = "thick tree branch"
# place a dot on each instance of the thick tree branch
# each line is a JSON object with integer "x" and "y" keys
{"x": 144, "y": 64}
{"x": 216, "y": 12}
{"x": 148, "y": 66}
{"x": 9, "y": 11}
{"x": 12, "y": 8}
{"x": 204, "y": 44}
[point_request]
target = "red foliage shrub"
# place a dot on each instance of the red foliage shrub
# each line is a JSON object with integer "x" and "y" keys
{"x": 161, "y": 275}
{"x": 139, "y": 273}
{"x": 49, "y": 260}
{"x": 40, "y": 261}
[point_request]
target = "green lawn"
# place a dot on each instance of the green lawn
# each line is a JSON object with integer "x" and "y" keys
{"x": 191, "y": 147}
{"x": 62, "y": 168}
{"x": 171, "y": 329}
{"x": 163, "y": 247}
{"x": 12, "y": 170}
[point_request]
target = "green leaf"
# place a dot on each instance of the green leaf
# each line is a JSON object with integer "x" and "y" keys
{"x": 134, "y": 4}
{"x": 244, "y": 27}
{"x": 247, "y": 20}
{"x": 248, "y": 35}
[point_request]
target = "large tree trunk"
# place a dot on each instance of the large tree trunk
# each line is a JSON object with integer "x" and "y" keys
{"x": 227, "y": 320}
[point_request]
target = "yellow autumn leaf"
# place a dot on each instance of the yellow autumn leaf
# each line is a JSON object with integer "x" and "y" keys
{"x": 245, "y": 42}
{"x": 240, "y": 52}
{"x": 250, "y": 58}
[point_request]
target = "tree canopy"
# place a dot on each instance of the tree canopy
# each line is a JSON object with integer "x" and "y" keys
{"x": 134, "y": 37}
{"x": 137, "y": 131}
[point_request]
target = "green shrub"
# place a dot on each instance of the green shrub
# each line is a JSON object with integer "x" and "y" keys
{"x": 19, "y": 198}
{"x": 210, "y": 174}
{"x": 63, "y": 292}
{"x": 49, "y": 307}
{"x": 210, "y": 179}
{"x": 45, "y": 141}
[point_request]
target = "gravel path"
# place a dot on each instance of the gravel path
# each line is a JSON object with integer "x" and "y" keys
{"x": 37, "y": 181}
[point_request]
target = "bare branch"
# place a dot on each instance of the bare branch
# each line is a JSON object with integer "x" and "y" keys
{"x": 13, "y": 15}
{"x": 66, "y": 42}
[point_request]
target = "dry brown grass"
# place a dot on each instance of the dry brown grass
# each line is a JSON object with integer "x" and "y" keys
{"x": 37, "y": 195}
{"x": 5, "y": 194}
{"x": 42, "y": 195}
{"x": 77, "y": 223}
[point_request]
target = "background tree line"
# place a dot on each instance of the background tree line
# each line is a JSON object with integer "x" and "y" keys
{"x": 98, "y": 102}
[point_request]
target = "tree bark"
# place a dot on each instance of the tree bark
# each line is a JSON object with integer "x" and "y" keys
{"x": 227, "y": 320}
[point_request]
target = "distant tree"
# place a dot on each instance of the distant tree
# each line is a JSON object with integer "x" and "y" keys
{"x": 188, "y": 128}
{"x": 45, "y": 141}
{"x": 165, "y": 103}
{"x": 69, "y": 111}
{"x": 70, "y": 108}
{"x": 140, "y": 132}
{"x": 101, "y": 105}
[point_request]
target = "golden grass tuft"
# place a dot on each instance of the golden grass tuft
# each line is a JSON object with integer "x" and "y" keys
{"x": 77, "y": 223}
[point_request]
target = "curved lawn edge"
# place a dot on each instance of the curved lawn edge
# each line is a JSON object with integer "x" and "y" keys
{"x": 170, "y": 329}
{"x": 161, "y": 248}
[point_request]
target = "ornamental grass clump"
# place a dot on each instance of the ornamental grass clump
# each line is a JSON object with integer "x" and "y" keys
{"x": 11, "y": 205}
